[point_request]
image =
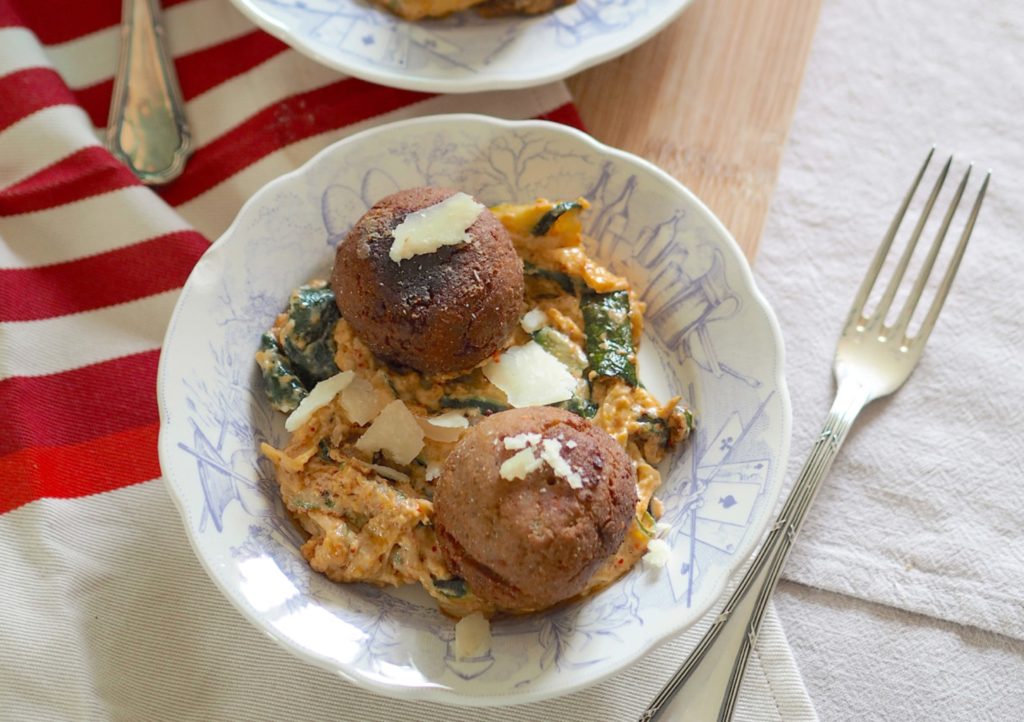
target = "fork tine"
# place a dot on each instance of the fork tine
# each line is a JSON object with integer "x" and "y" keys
{"x": 901, "y": 267}
{"x": 954, "y": 264}
{"x": 900, "y": 327}
{"x": 857, "y": 309}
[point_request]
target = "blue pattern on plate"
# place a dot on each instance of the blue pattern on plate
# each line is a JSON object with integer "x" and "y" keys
{"x": 373, "y": 37}
{"x": 713, "y": 493}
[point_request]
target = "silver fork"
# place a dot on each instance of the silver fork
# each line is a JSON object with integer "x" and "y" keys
{"x": 872, "y": 360}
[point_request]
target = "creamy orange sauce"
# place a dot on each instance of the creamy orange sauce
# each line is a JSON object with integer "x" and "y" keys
{"x": 370, "y": 520}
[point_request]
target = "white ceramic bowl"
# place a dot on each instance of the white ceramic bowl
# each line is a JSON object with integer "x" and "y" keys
{"x": 710, "y": 337}
{"x": 463, "y": 53}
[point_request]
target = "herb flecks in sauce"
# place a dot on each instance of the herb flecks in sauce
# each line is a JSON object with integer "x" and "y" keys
{"x": 365, "y": 526}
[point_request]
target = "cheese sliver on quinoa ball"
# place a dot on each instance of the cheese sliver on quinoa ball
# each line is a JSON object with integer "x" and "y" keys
{"x": 439, "y": 310}
{"x": 442, "y": 224}
{"x": 528, "y": 542}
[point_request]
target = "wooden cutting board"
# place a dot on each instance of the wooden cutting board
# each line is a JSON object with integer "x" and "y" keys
{"x": 710, "y": 100}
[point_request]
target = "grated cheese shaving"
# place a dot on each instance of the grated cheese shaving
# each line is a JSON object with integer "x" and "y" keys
{"x": 472, "y": 636}
{"x": 552, "y": 454}
{"x": 534, "y": 320}
{"x": 360, "y": 401}
{"x": 321, "y": 395}
{"x": 658, "y": 553}
{"x": 446, "y": 428}
{"x": 521, "y": 441}
{"x": 396, "y": 432}
{"x": 519, "y": 465}
{"x": 388, "y": 473}
{"x": 428, "y": 229}
{"x": 450, "y": 420}
{"x": 530, "y": 376}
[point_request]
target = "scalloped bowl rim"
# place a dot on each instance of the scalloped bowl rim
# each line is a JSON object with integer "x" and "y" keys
{"x": 435, "y": 692}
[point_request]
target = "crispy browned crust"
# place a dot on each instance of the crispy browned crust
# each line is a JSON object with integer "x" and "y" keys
{"x": 526, "y": 544}
{"x": 437, "y": 312}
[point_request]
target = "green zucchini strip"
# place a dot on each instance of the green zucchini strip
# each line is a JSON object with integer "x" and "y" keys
{"x": 609, "y": 335}
{"x": 580, "y": 406}
{"x": 309, "y": 339}
{"x": 567, "y": 283}
{"x": 543, "y": 226}
{"x": 484, "y": 406}
{"x": 562, "y": 348}
{"x": 453, "y": 588}
{"x": 280, "y": 382}
{"x": 565, "y": 350}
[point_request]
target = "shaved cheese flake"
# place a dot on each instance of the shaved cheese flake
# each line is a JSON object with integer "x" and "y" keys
{"x": 530, "y": 376}
{"x": 472, "y": 636}
{"x": 442, "y": 224}
{"x": 450, "y": 420}
{"x": 519, "y": 465}
{"x": 433, "y": 471}
{"x": 388, "y": 473}
{"x": 534, "y": 320}
{"x": 321, "y": 395}
{"x": 360, "y": 401}
{"x": 658, "y": 553}
{"x": 521, "y": 441}
{"x": 446, "y": 428}
{"x": 552, "y": 454}
{"x": 396, "y": 432}
{"x": 439, "y": 433}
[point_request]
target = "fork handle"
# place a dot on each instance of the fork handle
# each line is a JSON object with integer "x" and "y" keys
{"x": 708, "y": 683}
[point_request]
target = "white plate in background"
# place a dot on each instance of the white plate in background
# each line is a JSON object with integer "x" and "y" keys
{"x": 463, "y": 53}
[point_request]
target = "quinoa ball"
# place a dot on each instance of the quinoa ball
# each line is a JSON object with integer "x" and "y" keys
{"x": 436, "y": 312}
{"x": 524, "y": 544}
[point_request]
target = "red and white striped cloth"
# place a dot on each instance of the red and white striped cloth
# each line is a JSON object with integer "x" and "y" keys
{"x": 104, "y": 612}
{"x": 92, "y": 260}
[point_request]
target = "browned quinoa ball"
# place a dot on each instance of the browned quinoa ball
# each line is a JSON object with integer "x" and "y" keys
{"x": 526, "y": 544}
{"x": 436, "y": 312}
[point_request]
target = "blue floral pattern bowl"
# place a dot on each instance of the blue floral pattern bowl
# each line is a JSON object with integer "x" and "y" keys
{"x": 462, "y": 53}
{"x": 710, "y": 337}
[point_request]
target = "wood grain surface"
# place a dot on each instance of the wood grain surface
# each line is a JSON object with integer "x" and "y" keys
{"x": 709, "y": 100}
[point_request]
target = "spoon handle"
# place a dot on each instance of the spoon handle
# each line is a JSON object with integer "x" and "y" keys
{"x": 147, "y": 129}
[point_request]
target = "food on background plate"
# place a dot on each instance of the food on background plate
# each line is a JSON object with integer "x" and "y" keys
{"x": 419, "y": 9}
{"x": 424, "y": 444}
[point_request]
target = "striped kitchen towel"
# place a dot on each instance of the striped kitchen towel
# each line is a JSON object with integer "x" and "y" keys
{"x": 91, "y": 261}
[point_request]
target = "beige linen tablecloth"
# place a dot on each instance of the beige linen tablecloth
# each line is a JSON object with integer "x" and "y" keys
{"x": 907, "y": 599}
